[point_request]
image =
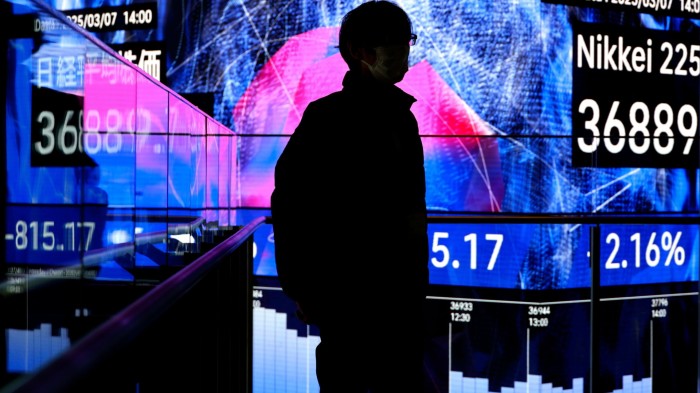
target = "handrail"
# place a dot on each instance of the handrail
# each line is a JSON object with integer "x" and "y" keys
{"x": 94, "y": 257}
{"x": 125, "y": 325}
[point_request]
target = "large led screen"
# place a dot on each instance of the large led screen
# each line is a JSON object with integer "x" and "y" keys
{"x": 524, "y": 107}
{"x": 488, "y": 78}
{"x": 96, "y": 150}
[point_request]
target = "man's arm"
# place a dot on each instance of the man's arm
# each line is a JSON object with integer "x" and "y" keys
{"x": 296, "y": 188}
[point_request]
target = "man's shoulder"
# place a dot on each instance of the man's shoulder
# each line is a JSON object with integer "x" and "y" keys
{"x": 330, "y": 100}
{"x": 328, "y": 108}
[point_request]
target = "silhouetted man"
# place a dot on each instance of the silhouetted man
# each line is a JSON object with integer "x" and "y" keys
{"x": 349, "y": 214}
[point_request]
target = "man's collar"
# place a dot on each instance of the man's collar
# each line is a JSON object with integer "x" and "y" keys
{"x": 356, "y": 83}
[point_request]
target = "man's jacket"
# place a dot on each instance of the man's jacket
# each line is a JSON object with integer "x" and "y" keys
{"x": 348, "y": 206}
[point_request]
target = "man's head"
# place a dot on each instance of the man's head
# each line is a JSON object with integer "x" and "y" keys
{"x": 375, "y": 37}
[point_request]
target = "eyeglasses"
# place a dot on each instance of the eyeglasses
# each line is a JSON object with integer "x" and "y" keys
{"x": 397, "y": 40}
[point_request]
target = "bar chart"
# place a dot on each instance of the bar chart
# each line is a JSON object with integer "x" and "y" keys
{"x": 460, "y": 384}
{"x": 510, "y": 341}
{"x": 284, "y": 357}
{"x": 647, "y": 309}
{"x": 644, "y": 338}
{"x": 547, "y": 326}
{"x": 631, "y": 386}
{"x": 29, "y": 349}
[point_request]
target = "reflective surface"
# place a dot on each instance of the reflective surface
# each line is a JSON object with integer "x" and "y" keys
{"x": 113, "y": 182}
